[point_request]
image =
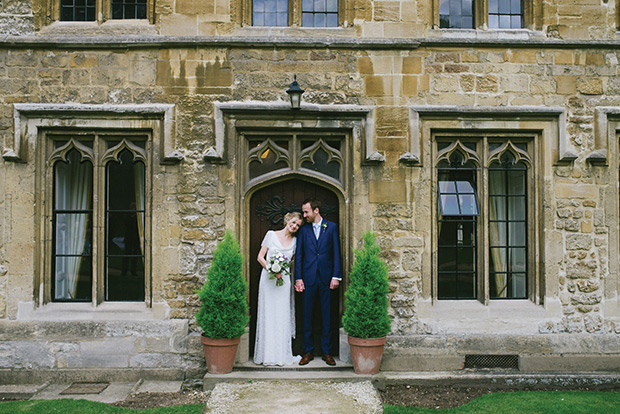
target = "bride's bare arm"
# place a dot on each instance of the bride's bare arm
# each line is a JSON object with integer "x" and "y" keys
{"x": 261, "y": 256}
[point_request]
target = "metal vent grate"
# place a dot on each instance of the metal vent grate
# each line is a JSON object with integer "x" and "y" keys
{"x": 492, "y": 361}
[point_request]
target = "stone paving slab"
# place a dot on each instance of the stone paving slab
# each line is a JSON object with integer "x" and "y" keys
{"x": 301, "y": 397}
{"x": 160, "y": 386}
{"x": 113, "y": 393}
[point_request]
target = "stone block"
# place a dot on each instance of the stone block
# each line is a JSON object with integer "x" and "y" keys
{"x": 386, "y": 11}
{"x": 156, "y": 360}
{"x": 578, "y": 242}
{"x": 592, "y": 86}
{"x": 387, "y": 192}
{"x": 193, "y": 7}
{"x": 70, "y": 330}
{"x": 410, "y": 86}
{"x": 522, "y": 56}
{"x": 179, "y": 25}
{"x": 486, "y": 84}
{"x": 412, "y": 65}
{"x": 32, "y": 355}
{"x": 576, "y": 191}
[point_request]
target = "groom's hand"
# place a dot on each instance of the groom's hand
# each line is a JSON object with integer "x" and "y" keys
{"x": 299, "y": 285}
{"x": 334, "y": 284}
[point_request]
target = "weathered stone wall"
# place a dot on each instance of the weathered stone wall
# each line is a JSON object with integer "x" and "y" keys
{"x": 195, "y": 201}
{"x": 163, "y": 346}
{"x": 16, "y": 17}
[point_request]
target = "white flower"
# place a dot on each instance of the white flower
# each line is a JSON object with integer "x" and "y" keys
{"x": 276, "y": 268}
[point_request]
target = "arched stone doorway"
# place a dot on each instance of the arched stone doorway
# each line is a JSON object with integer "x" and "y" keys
{"x": 267, "y": 209}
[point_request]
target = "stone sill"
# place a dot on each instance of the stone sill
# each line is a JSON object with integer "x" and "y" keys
{"x": 500, "y": 316}
{"x": 107, "y": 311}
{"x": 107, "y": 28}
{"x": 302, "y": 39}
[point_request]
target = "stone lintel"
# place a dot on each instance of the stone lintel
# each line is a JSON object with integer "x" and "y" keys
{"x": 28, "y": 118}
{"x": 278, "y": 114}
{"x": 483, "y": 114}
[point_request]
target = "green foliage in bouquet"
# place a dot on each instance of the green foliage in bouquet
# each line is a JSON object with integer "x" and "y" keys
{"x": 366, "y": 302}
{"x": 224, "y": 310}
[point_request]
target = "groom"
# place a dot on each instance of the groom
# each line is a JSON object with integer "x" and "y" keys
{"x": 317, "y": 273}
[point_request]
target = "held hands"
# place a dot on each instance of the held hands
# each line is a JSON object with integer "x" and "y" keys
{"x": 299, "y": 285}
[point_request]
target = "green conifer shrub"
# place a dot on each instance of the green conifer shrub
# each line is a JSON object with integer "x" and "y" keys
{"x": 224, "y": 310}
{"x": 366, "y": 301}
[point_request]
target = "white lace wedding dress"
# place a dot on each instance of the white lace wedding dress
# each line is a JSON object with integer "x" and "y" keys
{"x": 275, "y": 322}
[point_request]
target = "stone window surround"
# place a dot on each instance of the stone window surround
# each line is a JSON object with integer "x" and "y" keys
{"x": 30, "y": 120}
{"x": 606, "y": 153}
{"x": 280, "y": 115}
{"x": 50, "y": 13}
{"x": 532, "y": 16}
{"x": 294, "y": 15}
{"x": 554, "y": 147}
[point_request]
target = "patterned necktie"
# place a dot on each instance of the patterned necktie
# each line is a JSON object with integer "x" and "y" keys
{"x": 316, "y": 227}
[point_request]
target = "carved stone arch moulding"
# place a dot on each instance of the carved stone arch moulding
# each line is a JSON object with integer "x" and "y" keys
{"x": 508, "y": 147}
{"x": 255, "y": 154}
{"x": 332, "y": 153}
{"x": 60, "y": 154}
{"x": 458, "y": 147}
{"x": 113, "y": 153}
{"x": 157, "y": 118}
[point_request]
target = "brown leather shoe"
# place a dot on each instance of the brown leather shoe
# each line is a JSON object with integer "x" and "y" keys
{"x": 329, "y": 360}
{"x": 306, "y": 358}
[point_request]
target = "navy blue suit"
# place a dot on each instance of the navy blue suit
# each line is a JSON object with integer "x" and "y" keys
{"x": 316, "y": 263}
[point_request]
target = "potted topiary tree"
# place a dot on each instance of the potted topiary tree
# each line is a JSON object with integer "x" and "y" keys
{"x": 366, "y": 318}
{"x": 223, "y": 314}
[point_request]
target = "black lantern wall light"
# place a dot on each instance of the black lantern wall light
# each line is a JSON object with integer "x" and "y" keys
{"x": 294, "y": 93}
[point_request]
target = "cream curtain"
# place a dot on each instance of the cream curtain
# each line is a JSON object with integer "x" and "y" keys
{"x": 73, "y": 193}
{"x": 497, "y": 231}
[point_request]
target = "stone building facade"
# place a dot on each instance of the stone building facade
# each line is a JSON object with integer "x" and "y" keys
{"x": 402, "y": 121}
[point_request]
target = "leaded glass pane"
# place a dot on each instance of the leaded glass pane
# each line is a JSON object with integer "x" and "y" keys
{"x": 128, "y": 9}
{"x": 319, "y": 13}
{"x": 125, "y": 211}
{"x": 77, "y": 10}
{"x": 456, "y": 14}
{"x": 270, "y": 12}
{"x": 72, "y": 229}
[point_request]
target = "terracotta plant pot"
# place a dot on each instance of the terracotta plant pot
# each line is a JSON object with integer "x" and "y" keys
{"x": 220, "y": 354}
{"x": 366, "y": 354}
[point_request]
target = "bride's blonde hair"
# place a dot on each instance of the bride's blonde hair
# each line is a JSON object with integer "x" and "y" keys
{"x": 292, "y": 215}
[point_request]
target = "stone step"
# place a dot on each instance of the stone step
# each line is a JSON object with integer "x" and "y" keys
{"x": 316, "y": 370}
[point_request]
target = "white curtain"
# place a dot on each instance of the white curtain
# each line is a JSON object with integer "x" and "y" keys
{"x": 497, "y": 231}
{"x": 73, "y": 192}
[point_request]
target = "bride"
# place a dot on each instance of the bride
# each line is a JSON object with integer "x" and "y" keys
{"x": 275, "y": 322}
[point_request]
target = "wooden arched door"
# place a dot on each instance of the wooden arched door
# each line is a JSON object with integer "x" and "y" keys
{"x": 267, "y": 209}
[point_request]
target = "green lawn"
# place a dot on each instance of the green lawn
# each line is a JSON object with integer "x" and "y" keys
{"x": 66, "y": 406}
{"x": 530, "y": 402}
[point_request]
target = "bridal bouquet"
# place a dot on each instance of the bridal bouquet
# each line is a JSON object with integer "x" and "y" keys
{"x": 278, "y": 263}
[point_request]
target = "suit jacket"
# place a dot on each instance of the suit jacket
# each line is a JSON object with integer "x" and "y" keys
{"x": 318, "y": 261}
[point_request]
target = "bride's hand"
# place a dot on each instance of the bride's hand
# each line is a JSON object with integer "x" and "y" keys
{"x": 278, "y": 275}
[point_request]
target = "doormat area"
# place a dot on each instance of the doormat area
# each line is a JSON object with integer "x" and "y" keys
{"x": 86, "y": 388}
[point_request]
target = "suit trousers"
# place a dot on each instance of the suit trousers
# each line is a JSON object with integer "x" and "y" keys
{"x": 309, "y": 301}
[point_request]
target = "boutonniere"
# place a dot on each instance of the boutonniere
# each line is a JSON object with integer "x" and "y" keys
{"x": 324, "y": 226}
